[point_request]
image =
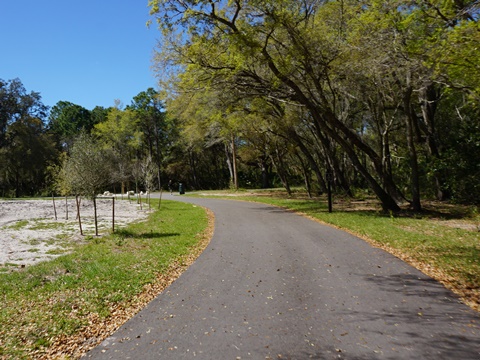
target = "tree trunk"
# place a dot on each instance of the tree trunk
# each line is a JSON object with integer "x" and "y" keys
{"x": 113, "y": 214}
{"x": 429, "y": 99}
{"x": 305, "y": 173}
{"x": 229, "y": 163}
{"x": 234, "y": 161}
{"x": 264, "y": 167}
{"x": 303, "y": 148}
{"x": 54, "y": 207}
{"x": 414, "y": 174}
{"x": 278, "y": 163}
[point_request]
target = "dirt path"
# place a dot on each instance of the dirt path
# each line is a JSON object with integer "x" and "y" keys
{"x": 30, "y": 234}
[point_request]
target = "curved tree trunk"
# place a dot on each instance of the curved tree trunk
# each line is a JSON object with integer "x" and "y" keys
{"x": 308, "y": 155}
{"x": 429, "y": 98}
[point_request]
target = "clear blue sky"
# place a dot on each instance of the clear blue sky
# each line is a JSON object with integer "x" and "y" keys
{"x": 88, "y": 52}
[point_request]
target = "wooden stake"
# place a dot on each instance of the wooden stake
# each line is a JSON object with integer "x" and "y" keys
{"x": 95, "y": 214}
{"x": 54, "y": 207}
{"x": 66, "y": 207}
{"x": 113, "y": 214}
{"x": 78, "y": 214}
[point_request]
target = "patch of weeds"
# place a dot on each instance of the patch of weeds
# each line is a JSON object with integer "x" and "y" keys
{"x": 119, "y": 240}
{"x": 34, "y": 250}
{"x": 46, "y": 225}
{"x": 56, "y": 252}
{"x": 33, "y": 242}
{"x": 97, "y": 240}
{"x": 41, "y": 343}
{"x": 7, "y": 266}
{"x": 18, "y": 225}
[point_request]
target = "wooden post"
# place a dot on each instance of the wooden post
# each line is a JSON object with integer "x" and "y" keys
{"x": 78, "y": 214}
{"x": 54, "y": 208}
{"x": 66, "y": 207}
{"x": 329, "y": 189}
{"x": 113, "y": 214}
{"x": 95, "y": 214}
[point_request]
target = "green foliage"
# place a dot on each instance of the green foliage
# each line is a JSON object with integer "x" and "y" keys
{"x": 67, "y": 120}
{"x": 25, "y": 147}
{"x": 368, "y": 82}
{"x": 119, "y": 131}
{"x": 88, "y": 168}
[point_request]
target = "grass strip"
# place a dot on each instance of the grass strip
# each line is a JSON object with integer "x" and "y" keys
{"x": 63, "y": 307}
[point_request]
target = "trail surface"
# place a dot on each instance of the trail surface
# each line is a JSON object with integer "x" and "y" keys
{"x": 275, "y": 285}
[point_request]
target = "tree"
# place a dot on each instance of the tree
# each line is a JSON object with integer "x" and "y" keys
{"x": 274, "y": 49}
{"x": 149, "y": 170}
{"x": 25, "y": 157}
{"x": 152, "y": 122}
{"x": 67, "y": 120}
{"x": 25, "y": 147}
{"x": 16, "y": 104}
{"x": 371, "y": 76}
{"x": 87, "y": 169}
{"x": 120, "y": 133}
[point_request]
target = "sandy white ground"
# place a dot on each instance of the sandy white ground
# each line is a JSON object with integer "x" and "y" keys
{"x": 29, "y": 232}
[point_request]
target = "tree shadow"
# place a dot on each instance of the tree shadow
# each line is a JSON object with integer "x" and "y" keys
{"x": 123, "y": 233}
{"x": 370, "y": 206}
{"x": 430, "y": 317}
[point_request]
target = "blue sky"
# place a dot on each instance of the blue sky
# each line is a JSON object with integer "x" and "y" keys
{"x": 88, "y": 52}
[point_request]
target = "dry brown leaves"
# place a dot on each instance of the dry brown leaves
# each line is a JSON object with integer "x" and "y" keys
{"x": 74, "y": 346}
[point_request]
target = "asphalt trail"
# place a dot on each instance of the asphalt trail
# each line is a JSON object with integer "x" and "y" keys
{"x": 275, "y": 285}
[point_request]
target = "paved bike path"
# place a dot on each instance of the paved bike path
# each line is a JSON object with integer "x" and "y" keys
{"x": 276, "y": 285}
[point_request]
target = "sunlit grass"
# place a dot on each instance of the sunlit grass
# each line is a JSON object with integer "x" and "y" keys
{"x": 18, "y": 225}
{"x": 62, "y": 296}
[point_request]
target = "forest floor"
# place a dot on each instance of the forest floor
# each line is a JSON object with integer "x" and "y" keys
{"x": 31, "y": 232}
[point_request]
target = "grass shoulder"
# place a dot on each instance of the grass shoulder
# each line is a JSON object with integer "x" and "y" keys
{"x": 51, "y": 308}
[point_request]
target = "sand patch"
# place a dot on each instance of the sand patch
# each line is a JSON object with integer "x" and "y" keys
{"x": 30, "y": 234}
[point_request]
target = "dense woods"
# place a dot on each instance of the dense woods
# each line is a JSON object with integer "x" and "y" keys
{"x": 377, "y": 96}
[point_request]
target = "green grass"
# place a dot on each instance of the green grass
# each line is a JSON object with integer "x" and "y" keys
{"x": 46, "y": 225}
{"x": 433, "y": 241}
{"x": 58, "y": 298}
{"x": 18, "y": 225}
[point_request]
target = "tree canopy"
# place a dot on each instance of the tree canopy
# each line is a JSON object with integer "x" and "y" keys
{"x": 365, "y": 78}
